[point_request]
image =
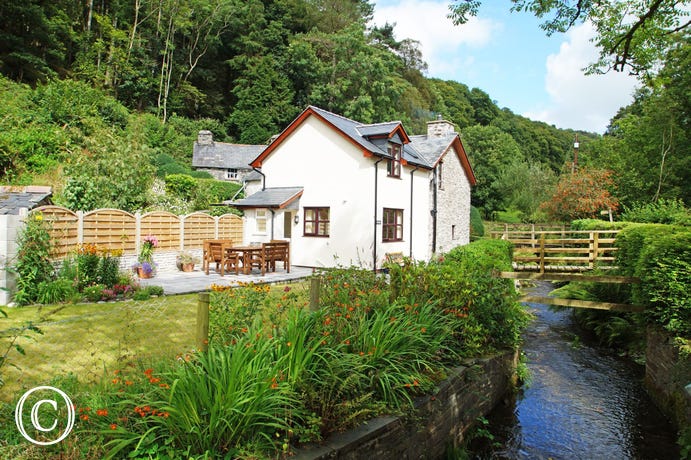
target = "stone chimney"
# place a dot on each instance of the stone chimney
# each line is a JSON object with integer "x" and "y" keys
{"x": 440, "y": 128}
{"x": 205, "y": 137}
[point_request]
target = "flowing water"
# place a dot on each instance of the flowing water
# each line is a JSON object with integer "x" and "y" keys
{"x": 582, "y": 403}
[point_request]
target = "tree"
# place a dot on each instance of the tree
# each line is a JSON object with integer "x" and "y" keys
{"x": 631, "y": 34}
{"x": 491, "y": 152}
{"x": 581, "y": 195}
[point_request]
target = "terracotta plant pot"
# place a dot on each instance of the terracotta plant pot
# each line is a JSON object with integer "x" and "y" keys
{"x": 142, "y": 274}
{"x": 187, "y": 267}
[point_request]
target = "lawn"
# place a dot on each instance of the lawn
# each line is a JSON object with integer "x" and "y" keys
{"x": 86, "y": 339}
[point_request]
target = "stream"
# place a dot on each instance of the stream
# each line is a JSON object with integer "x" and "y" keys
{"x": 583, "y": 402}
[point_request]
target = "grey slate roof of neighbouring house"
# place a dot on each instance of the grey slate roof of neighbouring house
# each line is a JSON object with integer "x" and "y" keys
{"x": 12, "y": 199}
{"x": 276, "y": 197}
{"x": 225, "y": 156}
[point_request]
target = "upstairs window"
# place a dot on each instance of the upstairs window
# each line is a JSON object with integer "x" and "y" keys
{"x": 392, "y": 228}
{"x": 231, "y": 173}
{"x": 316, "y": 222}
{"x": 393, "y": 167}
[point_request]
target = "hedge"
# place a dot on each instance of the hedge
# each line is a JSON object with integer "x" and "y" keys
{"x": 660, "y": 255}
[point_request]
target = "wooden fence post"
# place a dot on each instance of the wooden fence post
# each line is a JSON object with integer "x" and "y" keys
{"x": 315, "y": 287}
{"x": 594, "y": 243}
{"x": 542, "y": 253}
{"x": 203, "y": 321}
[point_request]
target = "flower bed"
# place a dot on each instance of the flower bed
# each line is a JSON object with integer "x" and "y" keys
{"x": 277, "y": 375}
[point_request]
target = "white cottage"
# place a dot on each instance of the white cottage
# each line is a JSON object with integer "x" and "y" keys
{"x": 348, "y": 193}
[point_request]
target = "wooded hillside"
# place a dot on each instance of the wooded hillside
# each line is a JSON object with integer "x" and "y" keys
{"x": 134, "y": 80}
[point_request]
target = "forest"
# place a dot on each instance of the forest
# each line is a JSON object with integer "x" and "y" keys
{"x": 102, "y": 99}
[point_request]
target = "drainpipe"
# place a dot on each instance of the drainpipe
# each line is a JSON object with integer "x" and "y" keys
{"x": 273, "y": 216}
{"x": 263, "y": 177}
{"x": 374, "y": 250}
{"x": 434, "y": 211}
{"x": 411, "y": 211}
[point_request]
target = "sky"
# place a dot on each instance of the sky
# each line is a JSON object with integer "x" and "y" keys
{"x": 509, "y": 57}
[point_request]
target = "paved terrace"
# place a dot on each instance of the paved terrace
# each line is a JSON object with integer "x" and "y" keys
{"x": 178, "y": 282}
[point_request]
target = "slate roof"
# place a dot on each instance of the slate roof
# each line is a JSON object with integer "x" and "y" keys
{"x": 14, "y": 198}
{"x": 360, "y": 132}
{"x": 224, "y": 156}
{"x": 276, "y": 197}
{"x": 431, "y": 148}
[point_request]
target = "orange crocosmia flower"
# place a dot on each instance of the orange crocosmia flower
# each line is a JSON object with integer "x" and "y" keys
{"x": 149, "y": 371}
{"x": 164, "y": 385}
{"x": 115, "y": 381}
{"x": 102, "y": 412}
{"x": 154, "y": 380}
{"x": 113, "y": 426}
{"x": 129, "y": 382}
{"x": 84, "y": 417}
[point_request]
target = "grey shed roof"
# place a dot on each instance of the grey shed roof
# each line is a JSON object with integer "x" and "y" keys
{"x": 14, "y": 198}
{"x": 276, "y": 197}
{"x": 225, "y": 156}
{"x": 360, "y": 133}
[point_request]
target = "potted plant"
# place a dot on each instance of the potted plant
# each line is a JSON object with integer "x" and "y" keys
{"x": 185, "y": 261}
{"x": 145, "y": 269}
{"x": 145, "y": 266}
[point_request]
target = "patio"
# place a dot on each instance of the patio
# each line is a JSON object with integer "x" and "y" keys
{"x": 178, "y": 282}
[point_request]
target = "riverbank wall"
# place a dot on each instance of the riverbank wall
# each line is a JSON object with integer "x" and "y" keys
{"x": 667, "y": 376}
{"x": 440, "y": 420}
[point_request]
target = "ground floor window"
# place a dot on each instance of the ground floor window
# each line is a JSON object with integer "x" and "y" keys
{"x": 316, "y": 222}
{"x": 392, "y": 228}
{"x": 260, "y": 218}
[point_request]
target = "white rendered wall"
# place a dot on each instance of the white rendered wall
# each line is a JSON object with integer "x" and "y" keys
{"x": 9, "y": 227}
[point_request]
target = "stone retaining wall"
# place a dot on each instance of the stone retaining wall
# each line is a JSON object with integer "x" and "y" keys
{"x": 666, "y": 376}
{"x": 440, "y": 422}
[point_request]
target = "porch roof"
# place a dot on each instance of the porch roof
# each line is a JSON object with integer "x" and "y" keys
{"x": 274, "y": 197}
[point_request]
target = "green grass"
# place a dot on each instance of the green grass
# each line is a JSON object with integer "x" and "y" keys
{"x": 85, "y": 339}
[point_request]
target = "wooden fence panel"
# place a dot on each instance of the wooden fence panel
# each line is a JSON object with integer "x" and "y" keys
{"x": 111, "y": 229}
{"x": 164, "y": 226}
{"x": 64, "y": 228}
{"x": 230, "y": 227}
{"x": 199, "y": 227}
{"x": 117, "y": 229}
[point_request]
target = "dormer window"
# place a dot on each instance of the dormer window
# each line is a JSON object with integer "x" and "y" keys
{"x": 393, "y": 167}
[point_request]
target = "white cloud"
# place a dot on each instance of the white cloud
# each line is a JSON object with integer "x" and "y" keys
{"x": 581, "y": 101}
{"x": 427, "y": 22}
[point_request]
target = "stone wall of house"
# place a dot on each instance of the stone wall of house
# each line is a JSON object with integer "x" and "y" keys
{"x": 668, "y": 376}
{"x": 441, "y": 419}
{"x": 453, "y": 205}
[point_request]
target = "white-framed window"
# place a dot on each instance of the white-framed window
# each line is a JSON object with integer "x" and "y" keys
{"x": 231, "y": 173}
{"x": 260, "y": 219}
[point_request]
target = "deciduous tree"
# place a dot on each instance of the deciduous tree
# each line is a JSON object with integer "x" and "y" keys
{"x": 581, "y": 195}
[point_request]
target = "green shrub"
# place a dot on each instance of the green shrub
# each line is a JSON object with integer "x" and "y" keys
{"x": 211, "y": 191}
{"x": 94, "y": 293}
{"x": 661, "y": 212}
{"x": 477, "y": 228}
{"x": 58, "y": 291}
{"x": 181, "y": 185}
{"x": 660, "y": 256}
{"x": 597, "y": 224}
{"x": 33, "y": 264}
